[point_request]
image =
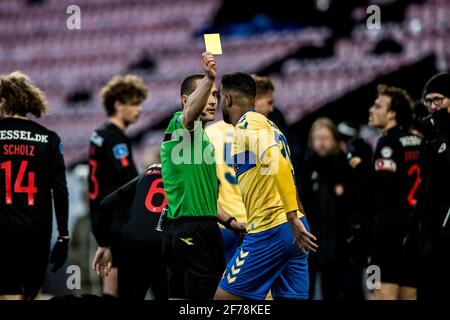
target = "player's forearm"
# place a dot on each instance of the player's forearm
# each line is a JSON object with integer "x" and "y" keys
{"x": 120, "y": 198}
{"x": 222, "y": 215}
{"x": 61, "y": 204}
{"x": 300, "y": 205}
{"x": 105, "y": 218}
{"x": 285, "y": 185}
{"x": 291, "y": 216}
{"x": 103, "y": 228}
{"x": 128, "y": 174}
{"x": 125, "y": 194}
{"x": 279, "y": 167}
{"x": 197, "y": 102}
{"x": 60, "y": 194}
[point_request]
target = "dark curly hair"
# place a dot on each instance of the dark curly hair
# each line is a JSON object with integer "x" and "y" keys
{"x": 18, "y": 96}
{"x": 128, "y": 89}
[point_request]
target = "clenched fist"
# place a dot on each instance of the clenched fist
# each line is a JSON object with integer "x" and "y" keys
{"x": 209, "y": 65}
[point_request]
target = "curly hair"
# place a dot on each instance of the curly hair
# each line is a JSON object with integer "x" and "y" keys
{"x": 128, "y": 89}
{"x": 18, "y": 96}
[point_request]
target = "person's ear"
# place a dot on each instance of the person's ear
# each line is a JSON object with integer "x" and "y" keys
{"x": 446, "y": 104}
{"x": 392, "y": 115}
{"x": 228, "y": 100}
{"x": 184, "y": 99}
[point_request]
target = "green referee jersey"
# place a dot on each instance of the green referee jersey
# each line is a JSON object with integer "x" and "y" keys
{"x": 188, "y": 171}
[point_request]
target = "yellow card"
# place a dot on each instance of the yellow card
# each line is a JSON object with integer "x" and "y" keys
{"x": 212, "y": 43}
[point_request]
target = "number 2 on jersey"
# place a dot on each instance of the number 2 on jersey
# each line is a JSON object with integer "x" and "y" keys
{"x": 18, "y": 188}
{"x": 414, "y": 169}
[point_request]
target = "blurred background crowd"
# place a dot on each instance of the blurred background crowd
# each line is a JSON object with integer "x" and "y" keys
{"x": 325, "y": 64}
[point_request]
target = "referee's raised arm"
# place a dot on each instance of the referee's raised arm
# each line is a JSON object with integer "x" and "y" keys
{"x": 192, "y": 242}
{"x": 195, "y": 103}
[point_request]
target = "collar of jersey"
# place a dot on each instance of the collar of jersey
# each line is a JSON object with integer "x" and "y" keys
{"x": 251, "y": 110}
{"x": 392, "y": 130}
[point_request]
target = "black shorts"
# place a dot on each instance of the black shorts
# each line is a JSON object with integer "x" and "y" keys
{"x": 389, "y": 253}
{"x": 195, "y": 255}
{"x": 142, "y": 267}
{"x": 23, "y": 264}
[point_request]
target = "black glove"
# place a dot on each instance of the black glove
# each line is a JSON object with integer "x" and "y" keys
{"x": 59, "y": 253}
{"x": 434, "y": 123}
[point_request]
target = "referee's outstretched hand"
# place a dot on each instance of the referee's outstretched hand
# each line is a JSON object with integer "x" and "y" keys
{"x": 59, "y": 253}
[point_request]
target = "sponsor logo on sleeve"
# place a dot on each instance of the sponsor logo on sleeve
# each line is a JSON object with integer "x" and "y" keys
{"x": 385, "y": 165}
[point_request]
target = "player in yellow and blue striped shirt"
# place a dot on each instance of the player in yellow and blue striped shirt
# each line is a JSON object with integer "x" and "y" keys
{"x": 221, "y": 135}
{"x": 274, "y": 253}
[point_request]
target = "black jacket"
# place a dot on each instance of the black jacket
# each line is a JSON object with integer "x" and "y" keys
{"x": 330, "y": 200}
{"x": 433, "y": 208}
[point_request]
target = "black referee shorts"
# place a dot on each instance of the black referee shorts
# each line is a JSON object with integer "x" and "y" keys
{"x": 195, "y": 255}
{"x": 23, "y": 264}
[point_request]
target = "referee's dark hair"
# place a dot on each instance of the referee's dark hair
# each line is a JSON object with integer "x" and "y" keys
{"x": 401, "y": 104}
{"x": 18, "y": 96}
{"x": 189, "y": 84}
{"x": 242, "y": 86}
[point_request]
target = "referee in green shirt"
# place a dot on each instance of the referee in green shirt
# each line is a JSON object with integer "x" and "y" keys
{"x": 192, "y": 242}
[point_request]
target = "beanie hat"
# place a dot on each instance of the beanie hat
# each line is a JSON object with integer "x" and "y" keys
{"x": 439, "y": 83}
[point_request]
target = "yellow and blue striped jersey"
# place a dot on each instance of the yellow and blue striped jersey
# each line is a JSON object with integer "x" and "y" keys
{"x": 221, "y": 135}
{"x": 264, "y": 170}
